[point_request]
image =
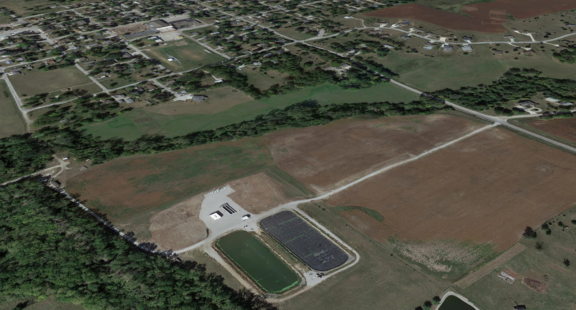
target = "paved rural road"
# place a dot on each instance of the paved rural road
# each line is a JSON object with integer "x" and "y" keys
{"x": 493, "y": 119}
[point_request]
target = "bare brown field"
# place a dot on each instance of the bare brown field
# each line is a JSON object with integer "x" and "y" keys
{"x": 437, "y": 17}
{"x": 129, "y": 29}
{"x": 483, "y": 190}
{"x": 497, "y": 10}
{"x": 327, "y": 157}
{"x": 258, "y": 193}
{"x": 562, "y": 128}
{"x": 179, "y": 226}
{"x": 484, "y": 17}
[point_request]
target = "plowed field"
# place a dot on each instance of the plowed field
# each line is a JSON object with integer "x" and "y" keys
{"x": 562, "y": 128}
{"x": 327, "y": 157}
{"x": 483, "y": 190}
{"x": 484, "y": 17}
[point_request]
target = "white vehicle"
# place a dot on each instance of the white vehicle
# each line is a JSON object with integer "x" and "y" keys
{"x": 245, "y": 217}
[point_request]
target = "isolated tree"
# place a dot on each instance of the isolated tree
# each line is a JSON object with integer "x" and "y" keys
{"x": 539, "y": 246}
{"x": 574, "y": 222}
{"x": 436, "y": 300}
{"x": 529, "y": 233}
{"x": 418, "y": 308}
{"x": 427, "y": 304}
{"x": 567, "y": 262}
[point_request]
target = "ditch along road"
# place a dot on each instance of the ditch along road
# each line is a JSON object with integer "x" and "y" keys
{"x": 252, "y": 223}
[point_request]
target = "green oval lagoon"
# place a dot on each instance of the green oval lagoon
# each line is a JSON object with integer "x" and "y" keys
{"x": 258, "y": 262}
{"x": 454, "y": 303}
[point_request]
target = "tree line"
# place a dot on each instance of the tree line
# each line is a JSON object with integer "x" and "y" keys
{"x": 515, "y": 84}
{"x": 23, "y": 154}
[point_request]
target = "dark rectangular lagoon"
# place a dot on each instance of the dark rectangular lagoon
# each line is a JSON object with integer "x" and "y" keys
{"x": 454, "y": 303}
{"x": 258, "y": 262}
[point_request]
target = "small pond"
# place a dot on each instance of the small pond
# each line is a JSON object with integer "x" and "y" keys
{"x": 454, "y": 303}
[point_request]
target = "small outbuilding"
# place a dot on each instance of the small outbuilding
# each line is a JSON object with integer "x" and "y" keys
{"x": 216, "y": 215}
{"x": 199, "y": 98}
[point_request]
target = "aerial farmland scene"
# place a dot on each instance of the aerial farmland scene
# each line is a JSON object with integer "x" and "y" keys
{"x": 288, "y": 154}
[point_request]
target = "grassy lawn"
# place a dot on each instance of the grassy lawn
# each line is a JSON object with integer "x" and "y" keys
{"x": 189, "y": 54}
{"x": 88, "y": 89}
{"x": 27, "y": 7}
{"x": 33, "y": 82}
{"x": 492, "y": 292}
{"x": 11, "y": 121}
{"x": 378, "y": 281}
{"x": 453, "y": 70}
{"x": 138, "y": 122}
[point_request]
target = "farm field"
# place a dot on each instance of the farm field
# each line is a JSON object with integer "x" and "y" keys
{"x": 35, "y": 82}
{"x": 258, "y": 262}
{"x": 481, "y": 17}
{"x": 136, "y": 123}
{"x": 550, "y": 282}
{"x": 145, "y": 185}
{"x": 188, "y": 53}
{"x": 326, "y": 157}
{"x": 472, "y": 200}
{"x": 563, "y": 130}
{"x": 378, "y": 281}
{"x": 138, "y": 188}
{"x": 11, "y": 121}
{"x": 158, "y": 197}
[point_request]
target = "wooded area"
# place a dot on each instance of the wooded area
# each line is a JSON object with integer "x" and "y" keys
{"x": 51, "y": 247}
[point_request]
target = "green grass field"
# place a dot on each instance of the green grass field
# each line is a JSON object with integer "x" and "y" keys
{"x": 453, "y": 70}
{"x": 378, "y": 281}
{"x": 258, "y": 262}
{"x": 33, "y": 82}
{"x": 493, "y": 293}
{"x": 189, "y": 54}
{"x": 138, "y": 122}
{"x": 11, "y": 122}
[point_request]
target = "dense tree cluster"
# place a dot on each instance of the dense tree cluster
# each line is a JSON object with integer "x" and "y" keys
{"x": 50, "y": 247}
{"x": 364, "y": 46}
{"x": 21, "y": 155}
{"x": 567, "y": 55}
{"x": 85, "y": 110}
{"x": 515, "y": 84}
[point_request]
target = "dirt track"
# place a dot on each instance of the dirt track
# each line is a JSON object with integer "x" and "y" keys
{"x": 484, "y": 190}
{"x": 327, "y": 157}
{"x": 482, "y": 17}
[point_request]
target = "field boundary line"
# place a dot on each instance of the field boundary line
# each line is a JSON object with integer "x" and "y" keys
{"x": 486, "y": 269}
